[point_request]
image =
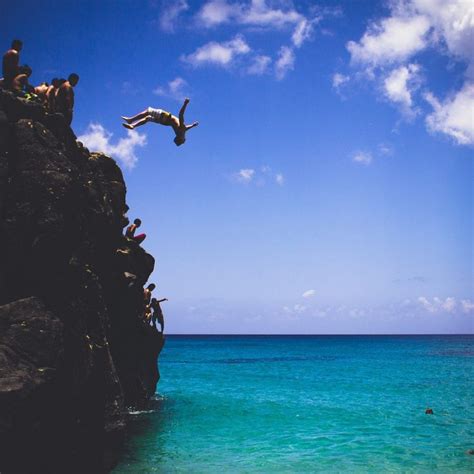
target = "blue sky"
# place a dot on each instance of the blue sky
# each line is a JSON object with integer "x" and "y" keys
{"x": 329, "y": 185}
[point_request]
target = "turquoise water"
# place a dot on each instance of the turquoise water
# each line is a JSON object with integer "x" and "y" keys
{"x": 308, "y": 404}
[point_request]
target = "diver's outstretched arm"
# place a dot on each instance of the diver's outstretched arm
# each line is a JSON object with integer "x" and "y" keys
{"x": 189, "y": 127}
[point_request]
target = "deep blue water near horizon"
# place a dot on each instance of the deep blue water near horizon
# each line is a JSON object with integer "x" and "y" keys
{"x": 308, "y": 404}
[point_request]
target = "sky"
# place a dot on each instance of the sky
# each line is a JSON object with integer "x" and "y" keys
{"x": 328, "y": 188}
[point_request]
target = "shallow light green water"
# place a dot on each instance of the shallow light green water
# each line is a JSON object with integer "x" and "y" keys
{"x": 308, "y": 404}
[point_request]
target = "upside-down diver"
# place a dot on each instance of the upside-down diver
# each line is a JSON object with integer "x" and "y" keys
{"x": 164, "y": 118}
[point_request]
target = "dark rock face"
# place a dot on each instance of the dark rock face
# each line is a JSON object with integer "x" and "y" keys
{"x": 73, "y": 350}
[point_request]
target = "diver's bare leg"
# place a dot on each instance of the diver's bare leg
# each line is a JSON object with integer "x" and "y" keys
{"x": 141, "y": 122}
{"x": 136, "y": 117}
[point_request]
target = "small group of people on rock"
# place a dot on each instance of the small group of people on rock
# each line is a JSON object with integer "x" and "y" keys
{"x": 152, "y": 309}
{"x": 152, "y": 312}
{"x": 57, "y": 97}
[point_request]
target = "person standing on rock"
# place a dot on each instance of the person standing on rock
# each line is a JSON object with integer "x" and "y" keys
{"x": 158, "y": 313}
{"x": 11, "y": 63}
{"x": 130, "y": 232}
{"x": 163, "y": 118}
{"x": 64, "y": 100}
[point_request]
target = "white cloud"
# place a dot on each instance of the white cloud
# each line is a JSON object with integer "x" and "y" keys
{"x": 216, "y": 12}
{"x": 339, "y": 80}
{"x": 258, "y": 13}
{"x": 259, "y": 66}
{"x": 453, "y": 24}
{"x": 362, "y": 157}
{"x": 449, "y": 304}
{"x": 280, "y": 179}
{"x": 170, "y": 13}
{"x": 267, "y": 16}
{"x": 285, "y": 62}
{"x": 308, "y": 293}
{"x": 390, "y": 40}
{"x": 245, "y": 175}
{"x": 299, "y": 308}
{"x": 399, "y": 86}
{"x": 302, "y": 33}
{"x": 410, "y": 28}
{"x": 220, "y": 54}
{"x": 467, "y": 306}
{"x": 175, "y": 89}
{"x": 259, "y": 177}
{"x": 455, "y": 116}
{"x": 426, "y": 304}
{"x": 97, "y": 138}
{"x": 437, "y": 304}
{"x": 385, "y": 150}
{"x": 295, "y": 309}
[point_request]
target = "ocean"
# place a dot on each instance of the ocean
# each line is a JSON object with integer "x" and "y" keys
{"x": 270, "y": 404}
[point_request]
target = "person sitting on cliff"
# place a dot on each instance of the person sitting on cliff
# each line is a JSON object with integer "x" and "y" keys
{"x": 11, "y": 63}
{"x": 41, "y": 91}
{"x": 20, "y": 84}
{"x": 130, "y": 232}
{"x": 163, "y": 118}
{"x": 147, "y": 293}
{"x": 158, "y": 313}
{"x": 64, "y": 97}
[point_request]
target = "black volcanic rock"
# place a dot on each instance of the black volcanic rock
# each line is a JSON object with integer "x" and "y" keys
{"x": 74, "y": 352}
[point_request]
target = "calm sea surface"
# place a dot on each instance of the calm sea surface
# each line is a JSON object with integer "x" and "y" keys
{"x": 308, "y": 404}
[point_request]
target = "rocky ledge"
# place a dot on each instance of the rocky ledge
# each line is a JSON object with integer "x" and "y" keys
{"x": 74, "y": 352}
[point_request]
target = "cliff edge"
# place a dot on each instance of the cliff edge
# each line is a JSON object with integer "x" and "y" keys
{"x": 74, "y": 352}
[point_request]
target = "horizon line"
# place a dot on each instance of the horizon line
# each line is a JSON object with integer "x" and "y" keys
{"x": 328, "y": 334}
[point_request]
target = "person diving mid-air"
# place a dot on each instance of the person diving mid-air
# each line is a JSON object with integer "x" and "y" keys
{"x": 164, "y": 118}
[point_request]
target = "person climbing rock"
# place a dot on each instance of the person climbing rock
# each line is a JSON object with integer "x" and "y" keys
{"x": 11, "y": 63}
{"x": 64, "y": 98}
{"x": 158, "y": 313}
{"x": 163, "y": 118}
{"x": 147, "y": 315}
{"x": 130, "y": 232}
{"x": 147, "y": 293}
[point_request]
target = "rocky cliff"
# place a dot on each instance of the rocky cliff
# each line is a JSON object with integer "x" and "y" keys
{"x": 74, "y": 352}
